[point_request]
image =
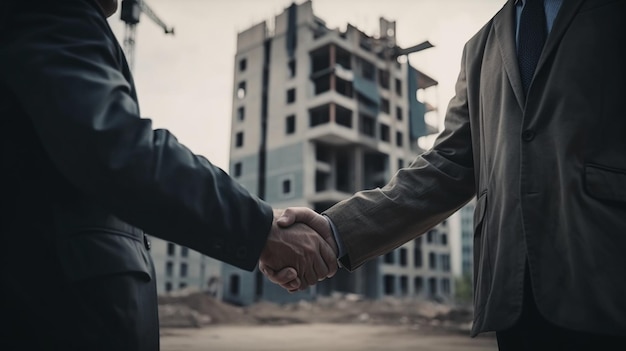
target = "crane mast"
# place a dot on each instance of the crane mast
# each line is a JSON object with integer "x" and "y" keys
{"x": 130, "y": 13}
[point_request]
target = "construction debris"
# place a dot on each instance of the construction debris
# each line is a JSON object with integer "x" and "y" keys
{"x": 195, "y": 309}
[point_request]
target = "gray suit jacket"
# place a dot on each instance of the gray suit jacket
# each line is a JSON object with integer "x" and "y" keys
{"x": 84, "y": 176}
{"x": 548, "y": 170}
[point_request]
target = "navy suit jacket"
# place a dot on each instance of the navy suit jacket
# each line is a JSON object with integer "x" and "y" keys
{"x": 84, "y": 178}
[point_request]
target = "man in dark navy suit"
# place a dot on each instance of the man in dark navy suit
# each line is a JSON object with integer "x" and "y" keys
{"x": 84, "y": 177}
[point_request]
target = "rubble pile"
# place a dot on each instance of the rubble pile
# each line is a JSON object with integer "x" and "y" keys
{"x": 197, "y": 309}
{"x": 192, "y": 308}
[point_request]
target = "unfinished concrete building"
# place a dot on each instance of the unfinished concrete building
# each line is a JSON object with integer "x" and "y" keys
{"x": 319, "y": 114}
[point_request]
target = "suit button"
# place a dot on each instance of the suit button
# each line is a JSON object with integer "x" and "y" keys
{"x": 528, "y": 135}
{"x": 146, "y": 242}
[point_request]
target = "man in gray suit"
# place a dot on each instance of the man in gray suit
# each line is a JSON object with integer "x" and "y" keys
{"x": 537, "y": 133}
{"x": 84, "y": 176}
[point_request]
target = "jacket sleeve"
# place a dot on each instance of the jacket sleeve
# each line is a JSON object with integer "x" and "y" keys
{"x": 435, "y": 185}
{"x": 62, "y": 62}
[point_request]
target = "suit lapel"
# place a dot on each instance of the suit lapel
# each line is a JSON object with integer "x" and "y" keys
{"x": 505, "y": 32}
{"x": 504, "y": 23}
{"x": 568, "y": 10}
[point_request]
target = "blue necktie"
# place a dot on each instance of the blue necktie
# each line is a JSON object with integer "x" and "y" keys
{"x": 532, "y": 36}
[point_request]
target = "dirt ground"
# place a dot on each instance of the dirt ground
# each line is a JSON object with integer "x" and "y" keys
{"x": 319, "y": 336}
{"x": 193, "y": 321}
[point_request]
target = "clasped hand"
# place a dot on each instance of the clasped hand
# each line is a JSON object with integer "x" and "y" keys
{"x": 300, "y": 249}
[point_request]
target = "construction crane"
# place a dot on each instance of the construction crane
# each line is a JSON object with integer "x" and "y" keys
{"x": 415, "y": 48}
{"x": 130, "y": 13}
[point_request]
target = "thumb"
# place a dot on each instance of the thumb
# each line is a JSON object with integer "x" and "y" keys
{"x": 303, "y": 215}
{"x": 287, "y": 218}
{"x": 297, "y": 214}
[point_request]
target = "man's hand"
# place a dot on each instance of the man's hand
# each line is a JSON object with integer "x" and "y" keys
{"x": 311, "y": 218}
{"x": 318, "y": 223}
{"x": 298, "y": 249}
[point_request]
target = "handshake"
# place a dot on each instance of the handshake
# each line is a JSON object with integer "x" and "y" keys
{"x": 300, "y": 249}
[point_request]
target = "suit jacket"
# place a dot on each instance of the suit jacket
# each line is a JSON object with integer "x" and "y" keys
{"x": 548, "y": 171}
{"x": 84, "y": 177}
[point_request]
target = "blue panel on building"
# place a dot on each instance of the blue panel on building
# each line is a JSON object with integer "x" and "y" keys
{"x": 417, "y": 109}
{"x": 367, "y": 88}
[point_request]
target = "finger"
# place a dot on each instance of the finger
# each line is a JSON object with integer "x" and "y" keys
{"x": 267, "y": 271}
{"x": 319, "y": 265}
{"x": 287, "y": 277}
{"x": 329, "y": 257}
{"x": 310, "y": 276}
{"x": 306, "y": 280}
{"x": 284, "y": 275}
{"x": 293, "y": 285}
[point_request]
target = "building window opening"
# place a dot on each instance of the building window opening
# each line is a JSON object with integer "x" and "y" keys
{"x": 399, "y": 113}
{"x": 445, "y": 286}
{"x": 417, "y": 256}
{"x": 404, "y": 285}
{"x": 233, "y": 285}
{"x": 399, "y": 139}
{"x": 290, "y": 124}
{"x": 322, "y": 181}
{"x": 241, "y": 90}
{"x": 241, "y": 114}
{"x": 286, "y": 186}
{"x": 243, "y": 64}
{"x": 322, "y": 84}
{"x": 384, "y": 132}
{"x": 343, "y": 116}
{"x": 367, "y": 125}
{"x": 418, "y": 285}
{"x": 384, "y": 105}
{"x": 368, "y": 70}
{"x": 320, "y": 115}
{"x": 383, "y": 78}
{"x": 320, "y": 60}
{"x": 239, "y": 139}
{"x": 344, "y": 87}
{"x": 389, "y": 282}
{"x": 345, "y": 174}
{"x": 291, "y": 66}
{"x": 237, "y": 169}
{"x": 403, "y": 257}
{"x": 430, "y": 236}
{"x": 389, "y": 257}
{"x": 171, "y": 249}
{"x": 291, "y": 95}
{"x": 432, "y": 260}
{"x": 432, "y": 286}
{"x": 169, "y": 268}
{"x": 343, "y": 58}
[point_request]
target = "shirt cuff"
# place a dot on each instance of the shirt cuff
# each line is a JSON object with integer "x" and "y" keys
{"x": 340, "y": 246}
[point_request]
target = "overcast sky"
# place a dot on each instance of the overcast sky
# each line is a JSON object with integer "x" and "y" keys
{"x": 184, "y": 81}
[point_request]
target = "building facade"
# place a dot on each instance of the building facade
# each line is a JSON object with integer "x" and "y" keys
{"x": 178, "y": 267}
{"x": 321, "y": 113}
